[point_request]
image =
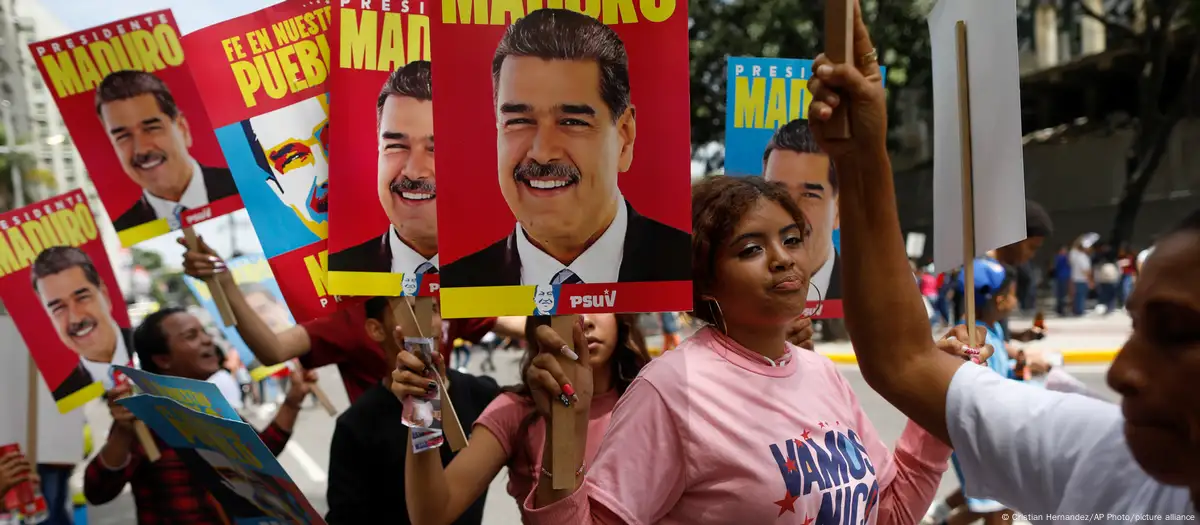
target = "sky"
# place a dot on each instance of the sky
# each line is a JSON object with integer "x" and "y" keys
{"x": 73, "y": 15}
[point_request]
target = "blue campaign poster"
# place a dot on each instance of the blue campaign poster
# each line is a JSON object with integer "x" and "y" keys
{"x": 201, "y": 396}
{"x": 244, "y": 475}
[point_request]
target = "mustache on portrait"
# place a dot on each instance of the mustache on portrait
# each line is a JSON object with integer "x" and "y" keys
{"x": 141, "y": 159}
{"x": 532, "y": 170}
{"x": 418, "y": 185}
{"x": 74, "y": 329}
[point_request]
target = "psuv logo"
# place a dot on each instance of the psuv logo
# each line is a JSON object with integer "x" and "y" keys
{"x": 608, "y": 299}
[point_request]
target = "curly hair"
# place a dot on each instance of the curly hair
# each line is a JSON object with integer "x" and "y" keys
{"x": 718, "y": 205}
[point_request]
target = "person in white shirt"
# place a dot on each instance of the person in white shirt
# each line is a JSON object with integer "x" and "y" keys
{"x": 151, "y": 137}
{"x": 1063, "y": 457}
{"x": 1080, "y": 260}
{"x": 77, "y": 302}
{"x": 406, "y": 181}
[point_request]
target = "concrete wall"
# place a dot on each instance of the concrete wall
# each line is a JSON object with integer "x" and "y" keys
{"x": 1079, "y": 183}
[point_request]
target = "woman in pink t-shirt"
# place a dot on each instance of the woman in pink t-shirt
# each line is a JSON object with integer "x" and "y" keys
{"x": 510, "y": 432}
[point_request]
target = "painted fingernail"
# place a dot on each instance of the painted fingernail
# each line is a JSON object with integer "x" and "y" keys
{"x": 570, "y": 391}
{"x": 565, "y": 401}
{"x": 568, "y": 353}
{"x": 432, "y": 385}
{"x": 824, "y": 70}
{"x": 214, "y": 259}
{"x": 976, "y": 360}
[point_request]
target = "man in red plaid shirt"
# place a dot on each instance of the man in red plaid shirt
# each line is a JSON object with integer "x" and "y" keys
{"x": 173, "y": 342}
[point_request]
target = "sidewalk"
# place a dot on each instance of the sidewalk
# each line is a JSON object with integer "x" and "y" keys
{"x": 1091, "y": 339}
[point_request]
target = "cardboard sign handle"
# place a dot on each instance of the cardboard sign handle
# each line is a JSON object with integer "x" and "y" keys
{"x": 323, "y": 399}
{"x": 839, "y": 46}
{"x": 214, "y": 287}
{"x": 31, "y": 417}
{"x": 147, "y": 441}
{"x": 415, "y": 316}
{"x": 968, "y": 184}
{"x": 563, "y": 447}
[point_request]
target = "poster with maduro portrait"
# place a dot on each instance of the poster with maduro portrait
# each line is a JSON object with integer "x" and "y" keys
{"x": 252, "y": 273}
{"x": 766, "y": 134}
{"x": 382, "y": 214}
{"x": 567, "y": 170}
{"x": 58, "y": 285}
{"x": 230, "y": 459}
{"x": 265, "y": 86}
{"x": 130, "y": 104}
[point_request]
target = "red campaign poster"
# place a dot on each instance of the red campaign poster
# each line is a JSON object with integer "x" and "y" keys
{"x": 128, "y": 99}
{"x": 566, "y": 169}
{"x": 57, "y": 283}
{"x": 265, "y": 92}
{"x": 383, "y": 237}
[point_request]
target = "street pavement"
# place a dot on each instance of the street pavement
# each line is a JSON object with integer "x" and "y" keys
{"x": 306, "y": 458}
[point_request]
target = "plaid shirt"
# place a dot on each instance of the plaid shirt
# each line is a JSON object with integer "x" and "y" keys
{"x": 164, "y": 492}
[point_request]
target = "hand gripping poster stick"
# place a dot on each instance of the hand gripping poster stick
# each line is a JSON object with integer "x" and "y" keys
{"x": 415, "y": 316}
{"x": 563, "y": 448}
{"x": 839, "y": 45}
{"x": 968, "y": 190}
{"x": 218, "y": 294}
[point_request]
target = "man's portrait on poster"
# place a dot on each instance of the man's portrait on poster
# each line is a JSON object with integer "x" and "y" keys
{"x": 79, "y": 306}
{"x": 151, "y": 138}
{"x": 565, "y": 129}
{"x": 291, "y": 146}
{"x": 793, "y": 158}
{"x": 405, "y": 180}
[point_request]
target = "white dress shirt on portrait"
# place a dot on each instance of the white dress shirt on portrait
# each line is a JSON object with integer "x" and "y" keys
{"x": 99, "y": 371}
{"x": 820, "y": 280}
{"x": 600, "y": 263}
{"x": 404, "y": 259}
{"x": 194, "y": 196}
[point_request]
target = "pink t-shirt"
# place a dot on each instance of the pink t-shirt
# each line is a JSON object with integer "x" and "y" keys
{"x": 713, "y": 433}
{"x": 503, "y": 418}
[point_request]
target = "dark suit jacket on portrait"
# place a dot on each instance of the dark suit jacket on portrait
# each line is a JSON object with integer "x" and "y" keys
{"x": 835, "y": 280}
{"x": 374, "y": 255}
{"x": 80, "y": 378}
{"x": 218, "y": 182}
{"x": 653, "y": 252}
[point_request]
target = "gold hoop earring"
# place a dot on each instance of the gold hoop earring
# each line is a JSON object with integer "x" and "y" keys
{"x": 717, "y": 314}
{"x": 809, "y": 313}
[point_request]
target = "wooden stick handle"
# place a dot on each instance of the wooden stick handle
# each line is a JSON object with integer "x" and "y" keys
{"x": 147, "y": 441}
{"x": 323, "y": 399}
{"x": 839, "y": 48}
{"x": 415, "y": 315}
{"x": 564, "y": 448}
{"x": 31, "y": 417}
{"x": 968, "y": 182}
{"x": 214, "y": 286}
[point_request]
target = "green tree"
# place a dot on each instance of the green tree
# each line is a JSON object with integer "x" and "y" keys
{"x": 793, "y": 29}
{"x": 31, "y": 176}
{"x": 1165, "y": 38}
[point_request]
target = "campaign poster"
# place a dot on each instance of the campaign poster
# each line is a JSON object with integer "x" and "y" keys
{"x": 566, "y": 167}
{"x": 134, "y": 112}
{"x": 766, "y": 134}
{"x": 249, "y": 483}
{"x": 383, "y": 237}
{"x": 265, "y": 80}
{"x": 58, "y": 285}
{"x": 252, "y": 273}
{"x": 200, "y": 396}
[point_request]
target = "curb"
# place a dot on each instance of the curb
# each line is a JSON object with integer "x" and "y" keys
{"x": 1070, "y": 357}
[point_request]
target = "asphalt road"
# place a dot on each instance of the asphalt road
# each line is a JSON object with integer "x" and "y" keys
{"x": 307, "y": 457}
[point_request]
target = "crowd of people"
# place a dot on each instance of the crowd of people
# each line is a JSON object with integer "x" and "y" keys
{"x": 715, "y": 428}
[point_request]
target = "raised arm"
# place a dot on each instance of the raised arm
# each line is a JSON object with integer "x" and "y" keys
{"x": 435, "y": 495}
{"x": 884, "y": 312}
{"x": 267, "y": 346}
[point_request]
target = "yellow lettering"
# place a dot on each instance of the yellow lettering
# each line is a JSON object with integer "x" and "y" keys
{"x": 61, "y": 70}
{"x": 391, "y": 52}
{"x": 87, "y": 223}
{"x": 168, "y": 44}
{"x": 777, "y": 108}
{"x": 657, "y": 10}
{"x": 105, "y": 57}
{"x": 87, "y": 69}
{"x": 24, "y": 252}
{"x": 748, "y": 102}
{"x": 144, "y": 43}
{"x": 316, "y": 271}
{"x": 799, "y": 93}
{"x": 8, "y": 261}
{"x": 358, "y": 47}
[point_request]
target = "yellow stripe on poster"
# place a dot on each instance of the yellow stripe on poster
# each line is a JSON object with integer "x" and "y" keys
{"x": 80, "y": 397}
{"x": 263, "y": 372}
{"x": 366, "y": 283}
{"x": 487, "y": 301}
{"x": 141, "y": 232}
